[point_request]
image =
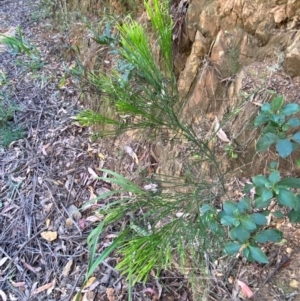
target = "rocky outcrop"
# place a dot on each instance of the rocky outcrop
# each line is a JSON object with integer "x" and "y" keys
{"x": 243, "y": 53}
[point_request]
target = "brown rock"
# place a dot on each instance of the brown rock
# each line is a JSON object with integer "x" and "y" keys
{"x": 200, "y": 46}
{"x": 279, "y": 13}
{"x": 187, "y": 76}
{"x": 264, "y": 30}
{"x": 292, "y": 57}
{"x": 251, "y": 16}
{"x": 209, "y": 21}
{"x": 292, "y": 8}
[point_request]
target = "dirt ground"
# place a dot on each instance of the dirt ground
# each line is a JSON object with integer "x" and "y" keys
{"x": 46, "y": 177}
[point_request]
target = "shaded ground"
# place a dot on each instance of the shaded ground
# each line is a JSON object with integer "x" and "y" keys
{"x": 50, "y": 173}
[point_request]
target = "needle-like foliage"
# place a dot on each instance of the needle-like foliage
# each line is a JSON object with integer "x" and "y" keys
{"x": 141, "y": 89}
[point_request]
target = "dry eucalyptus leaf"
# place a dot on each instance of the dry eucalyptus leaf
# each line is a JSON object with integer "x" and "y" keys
{"x": 92, "y": 173}
{"x": 42, "y": 288}
{"x": 3, "y": 295}
{"x": 3, "y": 260}
{"x": 247, "y": 292}
{"x": 50, "y": 289}
{"x": 67, "y": 268}
{"x": 220, "y": 133}
{"x": 49, "y": 235}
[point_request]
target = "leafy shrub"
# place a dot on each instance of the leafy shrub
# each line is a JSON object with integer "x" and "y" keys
{"x": 145, "y": 92}
{"x": 275, "y": 124}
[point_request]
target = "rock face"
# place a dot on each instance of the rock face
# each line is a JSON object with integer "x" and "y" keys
{"x": 243, "y": 53}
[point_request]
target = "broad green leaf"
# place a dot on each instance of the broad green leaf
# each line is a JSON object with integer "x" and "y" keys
{"x": 290, "y": 182}
{"x": 273, "y": 165}
{"x": 244, "y": 205}
{"x": 261, "y": 119}
{"x": 248, "y": 188}
{"x": 281, "y": 135}
{"x": 221, "y": 214}
{"x": 247, "y": 254}
{"x": 278, "y": 119}
{"x": 272, "y": 235}
{"x": 229, "y": 207}
{"x": 278, "y": 214}
{"x": 260, "y": 180}
{"x": 296, "y": 137}
{"x": 294, "y": 216}
{"x": 284, "y": 148}
{"x": 229, "y": 220}
{"x": 232, "y": 248}
{"x": 287, "y": 198}
{"x": 270, "y": 128}
{"x": 259, "y": 203}
{"x": 285, "y": 127}
{"x": 265, "y": 141}
{"x": 258, "y": 255}
{"x": 259, "y": 219}
{"x": 294, "y": 122}
{"x": 274, "y": 176}
{"x": 277, "y": 103}
{"x": 266, "y": 107}
{"x": 248, "y": 223}
{"x": 295, "y": 146}
{"x": 290, "y": 109}
{"x": 259, "y": 190}
{"x": 204, "y": 208}
{"x": 241, "y": 233}
{"x": 266, "y": 195}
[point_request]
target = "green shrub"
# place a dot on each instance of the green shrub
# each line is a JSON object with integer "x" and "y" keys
{"x": 143, "y": 95}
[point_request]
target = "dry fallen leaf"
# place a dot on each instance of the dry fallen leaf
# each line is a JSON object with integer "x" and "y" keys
{"x": 3, "y": 260}
{"x": 43, "y": 288}
{"x": 74, "y": 212}
{"x": 92, "y": 173}
{"x": 131, "y": 153}
{"x": 69, "y": 222}
{"x": 89, "y": 282}
{"x": 18, "y": 284}
{"x": 294, "y": 283}
{"x": 3, "y": 295}
{"x": 220, "y": 133}
{"x": 50, "y": 289}
{"x": 29, "y": 267}
{"x": 48, "y": 222}
{"x": 101, "y": 156}
{"x": 245, "y": 289}
{"x": 110, "y": 293}
{"x": 67, "y": 268}
{"x": 49, "y": 235}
